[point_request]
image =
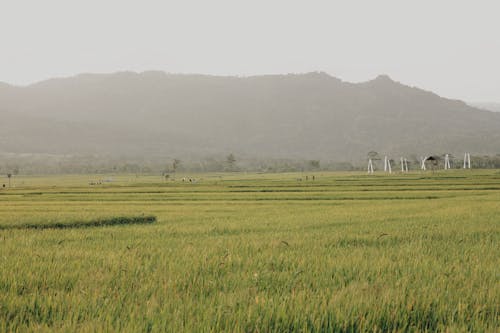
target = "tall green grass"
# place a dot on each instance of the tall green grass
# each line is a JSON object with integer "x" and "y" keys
{"x": 345, "y": 253}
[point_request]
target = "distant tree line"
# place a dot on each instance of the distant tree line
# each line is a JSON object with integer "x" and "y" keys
{"x": 87, "y": 164}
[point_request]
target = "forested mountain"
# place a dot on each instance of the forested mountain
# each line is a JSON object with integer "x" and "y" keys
{"x": 311, "y": 115}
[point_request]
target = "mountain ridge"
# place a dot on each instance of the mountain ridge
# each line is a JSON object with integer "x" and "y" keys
{"x": 310, "y": 115}
{"x": 488, "y": 106}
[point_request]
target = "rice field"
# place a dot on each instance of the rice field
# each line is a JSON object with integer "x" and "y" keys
{"x": 236, "y": 252}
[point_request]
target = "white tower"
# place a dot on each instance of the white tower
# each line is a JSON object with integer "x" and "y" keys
{"x": 467, "y": 161}
{"x": 422, "y": 166}
{"x": 404, "y": 164}
{"x": 370, "y": 166}
{"x": 447, "y": 162}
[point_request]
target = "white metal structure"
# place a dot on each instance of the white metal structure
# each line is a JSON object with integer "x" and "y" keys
{"x": 404, "y": 165}
{"x": 370, "y": 166}
{"x": 447, "y": 162}
{"x": 422, "y": 166}
{"x": 467, "y": 161}
{"x": 387, "y": 165}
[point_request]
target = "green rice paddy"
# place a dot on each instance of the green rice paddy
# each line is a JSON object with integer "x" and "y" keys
{"x": 345, "y": 252}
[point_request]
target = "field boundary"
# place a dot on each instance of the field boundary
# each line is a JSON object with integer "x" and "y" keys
{"x": 100, "y": 222}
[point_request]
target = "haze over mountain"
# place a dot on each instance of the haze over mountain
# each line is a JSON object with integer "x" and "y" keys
{"x": 489, "y": 106}
{"x": 311, "y": 115}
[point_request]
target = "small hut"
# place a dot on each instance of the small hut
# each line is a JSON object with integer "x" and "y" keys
{"x": 433, "y": 161}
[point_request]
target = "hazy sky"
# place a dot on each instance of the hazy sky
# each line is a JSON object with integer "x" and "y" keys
{"x": 451, "y": 47}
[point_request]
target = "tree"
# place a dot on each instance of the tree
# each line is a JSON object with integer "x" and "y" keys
{"x": 231, "y": 162}
{"x": 314, "y": 164}
{"x": 176, "y": 164}
{"x": 9, "y": 175}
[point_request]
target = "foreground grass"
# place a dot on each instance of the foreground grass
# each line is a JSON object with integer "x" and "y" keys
{"x": 240, "y": 253}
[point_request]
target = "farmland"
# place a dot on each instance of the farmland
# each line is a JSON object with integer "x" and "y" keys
{"x": 238, "y": 252}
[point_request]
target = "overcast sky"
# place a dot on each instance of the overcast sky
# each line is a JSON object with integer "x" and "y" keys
{"x": 451, "y": 47}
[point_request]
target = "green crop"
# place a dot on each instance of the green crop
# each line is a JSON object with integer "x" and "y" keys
{"x": 237, "y": 252}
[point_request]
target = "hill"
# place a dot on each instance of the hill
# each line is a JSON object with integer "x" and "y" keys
{"x": 311, "y": 115}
